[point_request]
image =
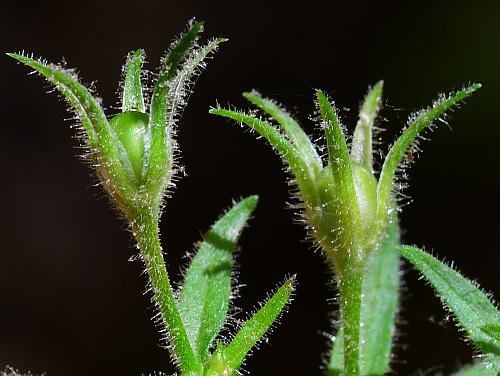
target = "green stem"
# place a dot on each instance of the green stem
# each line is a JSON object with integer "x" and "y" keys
{"x": 145, "y": 228}
{"x": 350, "y": 285}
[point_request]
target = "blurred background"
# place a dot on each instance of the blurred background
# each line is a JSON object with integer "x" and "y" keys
{"x": 72, "y": 303}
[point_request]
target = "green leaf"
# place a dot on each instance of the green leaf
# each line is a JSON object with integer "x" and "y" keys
{"x": 380, "y": 305}
{"x": 493, "y": 330}
{"x": 132, "y": 98}
{"x": 415, "y": 126}
{"x": 378, "y": 310}
{"x": 103, "y": 142}
{"x": 293, "y": 130}
{"x": 479, "y": 369}
{"x": 256, "y": 327}
{"x": 203, "y": 302}
{"x": 336, "y": 361}
{"x": 361, "y": 147}
{"x": 471, "y": 307}
{"x": 283, "y": 146}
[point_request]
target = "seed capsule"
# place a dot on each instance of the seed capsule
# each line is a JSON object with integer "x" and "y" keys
{"x": 130, "y": 128}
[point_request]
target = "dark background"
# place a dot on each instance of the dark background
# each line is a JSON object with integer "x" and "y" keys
{"x": 71, "y": 303}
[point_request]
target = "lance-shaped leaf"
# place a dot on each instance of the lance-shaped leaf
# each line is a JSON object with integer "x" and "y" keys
{"x": 471, "y": 307}
{"x": 378, "y": 310}
{"x": 380, "y": 305}
{"x": 102, "y": 140}
{"x": 203, "y": 302}
{"x": 493, "y": 330}
{"x": 132, "y": 98}
{"x": 279, "y": 142}
{"x": 292, "y": 129}
{"x": 256, "y": 327}
{"x": 479, "y": 369}
{"x": 361, "y": 147}
{"x": 340, "y": 164}
{"x": 336, "y": 361}
{"x": 400, "y": 147}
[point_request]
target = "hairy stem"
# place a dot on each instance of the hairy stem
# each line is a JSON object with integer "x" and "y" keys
{"x": 145, "y": 229}
{"x": 350, "y": 283}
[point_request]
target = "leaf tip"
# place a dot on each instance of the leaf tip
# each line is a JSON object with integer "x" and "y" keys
{"x": 250, "y": 202}
{"x": 214, "y": 111}
{"x": 249, "y": 95}
{"x": 320, "y": 94}
{"x": 379, "y": 84}
{"x": 476, "y": 86}
{"x": 196, "y": 26}
{"x": 15, "y": 56}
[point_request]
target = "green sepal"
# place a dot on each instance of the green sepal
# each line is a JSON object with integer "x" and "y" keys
{"x": 285, "y": 148}
{"x": 132, "y": 97}
{"x": 205, "y": 294}
{"x": 339, "y": 163}
{"x": 362, "y": 144}
{"x": 108, "y": 155}
{"x": 399, "y": 149}
{"x": 172, "y": 86}
{"x": 159, "y": 138}
{"x": 471, "y": 307}
{"x": 292, "y": 129}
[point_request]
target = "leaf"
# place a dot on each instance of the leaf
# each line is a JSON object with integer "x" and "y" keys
{"x": 336, "y": 361}
{"x": 361, "y": 147}
{"x": 293, "y": 130}
{"x": 471, "y": 307}
{"x": 479, "y": 369}
{"x": 409, "y": 135}
{"x": 132, "y": 98}
{"x": 101, "y": 137}
{"x": 257, "y": 326}
{"x": 204, "y": 298}
{"x": 380, "y": 304}
{"x": 378, "y": 310}
{"x": 493, "y": 330}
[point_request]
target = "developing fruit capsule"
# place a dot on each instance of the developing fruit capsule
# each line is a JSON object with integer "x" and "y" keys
{"x": 130, "y": 128}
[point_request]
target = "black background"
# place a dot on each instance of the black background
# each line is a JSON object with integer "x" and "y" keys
{"x": 71, "y": 303}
